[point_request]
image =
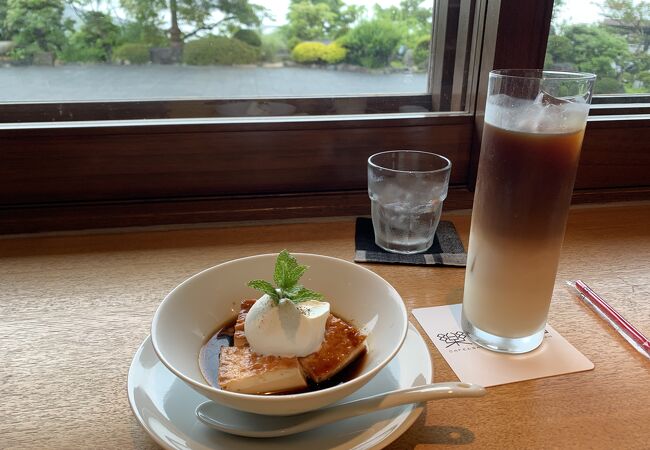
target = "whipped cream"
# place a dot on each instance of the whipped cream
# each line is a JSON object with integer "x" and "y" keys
{"x": 286, "y": 329}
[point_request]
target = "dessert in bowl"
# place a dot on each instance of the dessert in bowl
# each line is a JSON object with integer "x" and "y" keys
{"x": 363, "y": 312}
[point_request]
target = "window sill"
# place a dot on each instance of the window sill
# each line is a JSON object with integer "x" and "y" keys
{"x": 99, "y": 215}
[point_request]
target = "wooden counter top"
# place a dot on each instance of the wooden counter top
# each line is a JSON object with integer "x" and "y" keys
{"x": 75, "y": 308}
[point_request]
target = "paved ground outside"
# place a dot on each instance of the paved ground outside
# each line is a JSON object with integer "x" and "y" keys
{"x": 83, "y": 83}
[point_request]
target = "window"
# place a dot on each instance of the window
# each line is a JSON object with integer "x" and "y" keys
{"x": 97, "y": 164}
{"x": 605, "y": 37}
{"x": 136, "y": 59}
{"x": 611, "y": 39}
{"x": 122, "y": 50}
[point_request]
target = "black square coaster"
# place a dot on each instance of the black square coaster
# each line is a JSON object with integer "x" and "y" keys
{"x": 446, "y": 250}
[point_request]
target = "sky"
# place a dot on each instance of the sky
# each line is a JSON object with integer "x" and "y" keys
{"x": 580, "y": 11}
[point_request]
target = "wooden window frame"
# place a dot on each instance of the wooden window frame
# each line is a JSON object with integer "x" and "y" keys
{"x": 67, "y": 176}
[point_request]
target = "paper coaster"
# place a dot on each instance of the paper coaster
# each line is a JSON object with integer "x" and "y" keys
{"x": 473, "y": 364}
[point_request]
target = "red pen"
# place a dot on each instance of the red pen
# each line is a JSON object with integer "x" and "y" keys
{"x": 618, "y": 322}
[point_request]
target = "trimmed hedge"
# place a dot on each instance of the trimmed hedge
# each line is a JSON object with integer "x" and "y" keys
{"x": 249, "y": 37}
{"x": 219, "y": 50}
{"x": 308, "y": 52}
{"x": 313, "y": 52}
{"x": 333, "y": 53}
{"x": 133, "y": 53}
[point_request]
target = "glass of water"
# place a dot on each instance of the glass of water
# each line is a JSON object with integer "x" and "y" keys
{"x": 406, "y": 190}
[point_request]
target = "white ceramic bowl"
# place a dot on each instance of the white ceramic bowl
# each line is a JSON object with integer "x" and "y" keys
{"x": 199, "y": 306}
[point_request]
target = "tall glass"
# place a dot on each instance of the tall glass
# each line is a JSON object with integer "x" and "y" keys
{"x": 534, "y": 124}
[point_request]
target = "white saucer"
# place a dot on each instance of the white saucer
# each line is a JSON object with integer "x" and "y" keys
{"x": 165, "y": 406}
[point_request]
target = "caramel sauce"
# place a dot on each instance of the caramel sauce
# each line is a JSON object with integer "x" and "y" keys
{"x": 224, "y": 337}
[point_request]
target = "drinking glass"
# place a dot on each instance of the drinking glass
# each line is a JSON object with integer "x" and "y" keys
{"x": 532, "y": 136}
{"x": 407, "y": 189}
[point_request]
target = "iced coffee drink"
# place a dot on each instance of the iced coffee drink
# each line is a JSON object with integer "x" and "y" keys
{"x": 529, "y": 157}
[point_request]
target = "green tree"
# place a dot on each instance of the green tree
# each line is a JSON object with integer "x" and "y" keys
{"x": 146, "y": 33}
{"x": 631, "y": 20}
{"x": 274, "y": 46}
{"x": 95, "y": 40}
{"x": 557, "y": 8}
{"x": 559, "y": 52}
{"x": 3, "y": 17}
{"x": 413, "y": 21}
{"x": 347, "y": 17}
{"x": 409, "y": 11}
{"x": 191, "y": 17}
{"x": 372, "y": 43}
{"x": 308, "y": 21}
{"x": 589, "y": 48}
{"x": 35, "y": 26}
{"x": 314, "y": 20}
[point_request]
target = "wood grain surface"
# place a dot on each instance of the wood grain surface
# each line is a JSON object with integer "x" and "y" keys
{"x": 74, "y": 309}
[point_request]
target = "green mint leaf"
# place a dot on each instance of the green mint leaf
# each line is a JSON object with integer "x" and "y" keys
{"x": 265, "y": 287}
{"x": 291, "y": 293}
{"x": 304, "y": 294}
{"x": 286, "y": 275}
{"x": 294, "y": 275}
{"x": 282, "y": 268}
{"x": 287, "y": 271}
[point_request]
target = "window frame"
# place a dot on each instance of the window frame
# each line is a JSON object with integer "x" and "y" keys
{"x": 49, "y": 173}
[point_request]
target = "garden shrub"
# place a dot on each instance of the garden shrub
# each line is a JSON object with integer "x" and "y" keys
{"x": 219, "y": 50}
{"x": 421, "y": 52}
{"x": 308, "y": 52}
{"x": 372, "y": 43}
{"x": 132, "y": 53}
{"x": 77, "y": 52}
{"x": 333, "y": 53}
{"x": 315, "y": 52}
{"x": 250, "y": 37}
{"x": 199, "y": 52}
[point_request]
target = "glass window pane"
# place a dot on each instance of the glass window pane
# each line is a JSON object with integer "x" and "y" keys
{"x": 241, "y": 54}
{"x": 610, "y": 38}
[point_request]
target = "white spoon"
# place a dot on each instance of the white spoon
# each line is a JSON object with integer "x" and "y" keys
{"x": 261, "y": 426}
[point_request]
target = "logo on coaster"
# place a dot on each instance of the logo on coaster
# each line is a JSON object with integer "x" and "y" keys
{"x": 454, "y": 338}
